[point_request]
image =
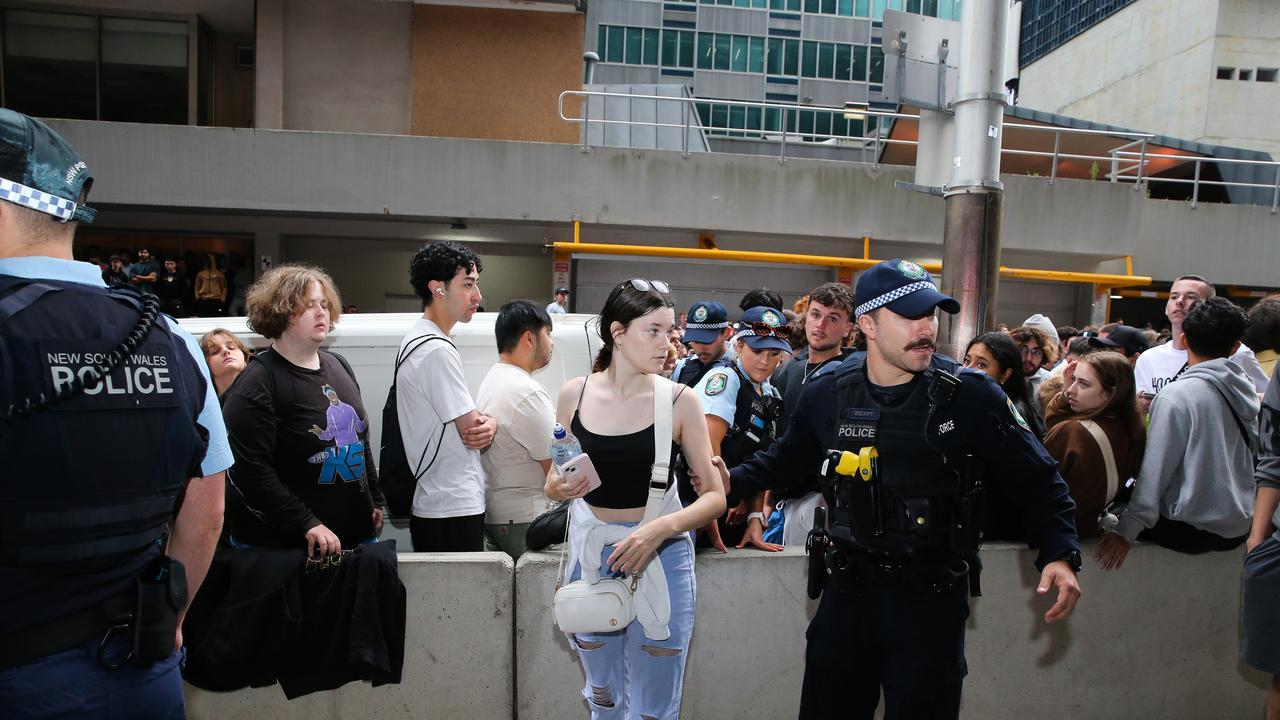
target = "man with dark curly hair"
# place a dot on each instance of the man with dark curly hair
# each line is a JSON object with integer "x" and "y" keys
{"x": 442, "y": 430}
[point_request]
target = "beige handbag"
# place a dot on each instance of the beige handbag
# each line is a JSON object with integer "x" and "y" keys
{"x": 608, "y": 605}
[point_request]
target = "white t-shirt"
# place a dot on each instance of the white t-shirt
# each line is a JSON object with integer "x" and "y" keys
{"x": 526, "y": 418}
{"x": 431, "y": 392}
{"x": 555, "y": 308}
{"x": 1158, "y": 367}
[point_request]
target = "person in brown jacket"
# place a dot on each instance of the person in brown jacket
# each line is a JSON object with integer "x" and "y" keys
{"x": 1093, "y": 423}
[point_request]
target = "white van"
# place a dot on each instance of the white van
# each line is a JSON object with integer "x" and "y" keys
{"x": 369, "y": 341}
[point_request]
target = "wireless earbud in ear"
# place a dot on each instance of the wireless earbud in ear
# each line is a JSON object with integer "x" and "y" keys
{"x": 439, "y": 292}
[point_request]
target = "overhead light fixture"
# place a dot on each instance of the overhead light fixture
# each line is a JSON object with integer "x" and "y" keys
{"x": 458, "y": 224}
{"x": 1116, "y": 297}
{"x": 855, "y": 110}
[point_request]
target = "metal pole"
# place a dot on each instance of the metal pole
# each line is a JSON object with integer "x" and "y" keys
{"x": 1275, "y": 196}
{"x": 875, "y": 158}
{"x": 1142, "y": 164}
{"x": 684, "y": 147}
{"x": 782, "y": 152}
{"x": 1053, "y": 172}
{"x": 974, "y": 197}
{"x": 1115, "y": 167}
{"x": 586, "y": 122}
{"x": 1195, "y": 186}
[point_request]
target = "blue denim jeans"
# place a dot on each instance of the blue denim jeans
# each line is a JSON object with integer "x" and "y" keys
{"x": 629, "y": 675}
{"x": 72, "y": 684}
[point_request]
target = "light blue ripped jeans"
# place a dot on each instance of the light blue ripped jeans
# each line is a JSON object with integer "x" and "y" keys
{"x": 630, "y": 676}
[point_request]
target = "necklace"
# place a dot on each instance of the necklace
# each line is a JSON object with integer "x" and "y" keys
{"x": 816, "y": 368}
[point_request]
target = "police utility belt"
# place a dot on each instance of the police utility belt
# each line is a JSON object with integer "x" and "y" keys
{"x": 147, "y": 613}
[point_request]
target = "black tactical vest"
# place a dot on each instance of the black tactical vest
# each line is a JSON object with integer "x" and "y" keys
{"x": 754, "y": 422}
{"x": 922, "y": 498}
{"x": 692, "y": 370}
{"x": 90, "y": 482}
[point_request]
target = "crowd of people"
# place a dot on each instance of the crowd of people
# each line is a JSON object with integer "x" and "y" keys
{"x": 210, "y": 286}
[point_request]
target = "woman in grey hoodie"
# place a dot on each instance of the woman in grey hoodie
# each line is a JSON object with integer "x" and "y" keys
{"x": 1195, "y": 490}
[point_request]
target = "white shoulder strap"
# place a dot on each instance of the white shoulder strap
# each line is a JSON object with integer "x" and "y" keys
{"x": 659, "y": 477}
{"x": 1108, "y": 457}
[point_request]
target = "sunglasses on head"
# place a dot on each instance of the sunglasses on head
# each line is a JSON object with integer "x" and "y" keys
{"x": 782, "y": 332}
{"x": 646, "y": 285}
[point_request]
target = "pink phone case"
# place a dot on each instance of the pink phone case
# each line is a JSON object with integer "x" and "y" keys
{"x": 579, "y": 467}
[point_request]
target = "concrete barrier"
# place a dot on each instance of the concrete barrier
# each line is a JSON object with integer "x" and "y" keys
{"x": 457, "y": 659}
{"x": 1158, "y": 638}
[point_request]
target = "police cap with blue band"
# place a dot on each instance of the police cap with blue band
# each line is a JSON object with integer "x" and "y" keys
{"x": 902, "y": 286}
{"x": 706, "y": 320}
{"x": 751, "y": 329}
{"x": 40, "y": 171}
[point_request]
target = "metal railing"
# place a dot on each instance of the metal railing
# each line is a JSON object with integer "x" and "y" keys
{"x": 1127, "y": 163}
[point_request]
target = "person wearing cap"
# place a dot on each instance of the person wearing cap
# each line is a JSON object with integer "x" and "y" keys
{"x": 1162, "y": 364}
{"x": 82, "y": 534}
{"x": 742, "y": 409}
{"x": 706, "y": 332}
{"x": 899, "y": 556}
{"x": 1129, "y": 340}
{"x": 560, "y": 305}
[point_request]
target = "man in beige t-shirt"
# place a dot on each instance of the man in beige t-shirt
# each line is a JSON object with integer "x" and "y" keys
{"x": 516, "y": 464}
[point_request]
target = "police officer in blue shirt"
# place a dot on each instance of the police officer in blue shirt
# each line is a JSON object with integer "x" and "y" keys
{"x": 98, "y": 557}
{"x": 706, "y": 332}
{"x": 907, "y": 442}
{"x": 742, "y": 411}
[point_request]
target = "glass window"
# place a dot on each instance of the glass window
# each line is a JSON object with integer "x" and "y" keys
{"x": 877, "y": 9}
{"x": 738, "y": 62}
{"x": 777, "y": 4}
{"x": 829, "y": 7}
{"x": 862, "y": 8}
{"x": 913, "y": 6}
{"x": 635, "y": 45}
{"x": 670, "y": 48}
{"x": 877, "y": 65}
{"x": 706, "y": 50}
{"x": 826, "y": 60}
{"x": 859, "y": 73}
{"x": 50, "y": 64}
{"x": 773, "y": 60}
{"x": 742, "y": 3}
{"x": 738, "y": 117}
{"x": 812, "y": 6}
{"x": 650, "y": 46}
{"x": 602, "y": 39}
{"x": 722, "y": 54}
{"x": 806, "y": 122}
{"x": 822, "y": 124}
{"x": 845, "y": 8}
{"x": 686, "y": 48}
{"x": 755, "y": 55}
{"x": 719, "y": 116}
{"x": 839, "y": 125}
{"x": 772, "y": 119}
{"x": 856, "y": 128}
{"x": 809, "y": 59}
{"x": 931, "y": 8}
{"x": 144, "y": 70}
{"x": 791, "y": 58}
{"x": 753, "y": 118}
{"x": 793, "y": 5}
{"x": 759, "y": 4}
{"x": 704, "y": 113}
{"x": 617, "y": 42}
{"x": 844, "y": 61}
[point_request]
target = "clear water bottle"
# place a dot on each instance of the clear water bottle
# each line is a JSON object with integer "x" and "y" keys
{"x": 564, "y": 447}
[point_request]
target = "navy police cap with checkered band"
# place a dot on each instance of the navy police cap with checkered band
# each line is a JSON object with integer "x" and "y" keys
{"x": 902, "y": 286}
{"x": 767, "y": 316}
{"x": 40, "y": 170}
{"x": 706, "y": 320}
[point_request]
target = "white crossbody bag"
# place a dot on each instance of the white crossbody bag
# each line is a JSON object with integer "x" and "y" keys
{"x": 608, "y": 605}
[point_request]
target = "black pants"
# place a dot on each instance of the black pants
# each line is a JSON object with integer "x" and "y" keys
{"x": 1186, "y": 538}
{"x": 464, "y": 533}
{"x": 909, "y": 643}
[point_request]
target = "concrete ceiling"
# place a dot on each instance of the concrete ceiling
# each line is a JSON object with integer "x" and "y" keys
{"x": 229, "y": 16}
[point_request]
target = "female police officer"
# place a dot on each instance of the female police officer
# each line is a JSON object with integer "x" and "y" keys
{"x": 903, "y": 535}
{"x": 742, "y": 408}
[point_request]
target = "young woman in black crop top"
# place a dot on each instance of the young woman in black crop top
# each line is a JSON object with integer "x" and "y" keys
{"x": 611, "y": 414}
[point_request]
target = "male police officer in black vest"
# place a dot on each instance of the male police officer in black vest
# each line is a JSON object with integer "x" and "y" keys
{"x": 97, "y": 557}
{"x": 706, "y": 332}
{"x": 906, "y": 440}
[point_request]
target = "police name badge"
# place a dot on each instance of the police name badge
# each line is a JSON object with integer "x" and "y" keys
{"x": 858, "y": 424}
{"x": 1017, "y": 416}
{"x": 700, "y": 315}
{"x": 716, "y": 383}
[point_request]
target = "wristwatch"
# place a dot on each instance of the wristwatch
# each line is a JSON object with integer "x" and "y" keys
{"x": 1073, "y": 559}
{"x": 760, "y": 516}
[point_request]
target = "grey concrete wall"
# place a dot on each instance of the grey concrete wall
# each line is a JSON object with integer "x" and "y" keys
{"x": 457, "y": 656}
{"x": 809, "y": 205}
{"x": 346, "y": 65}
{"x": 1157, "y": 638}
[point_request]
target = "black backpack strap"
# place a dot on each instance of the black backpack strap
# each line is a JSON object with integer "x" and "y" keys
{"x": 18, "y": 294}
{"x": 345, "y": 366}
{"x": 280, "y": 382}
